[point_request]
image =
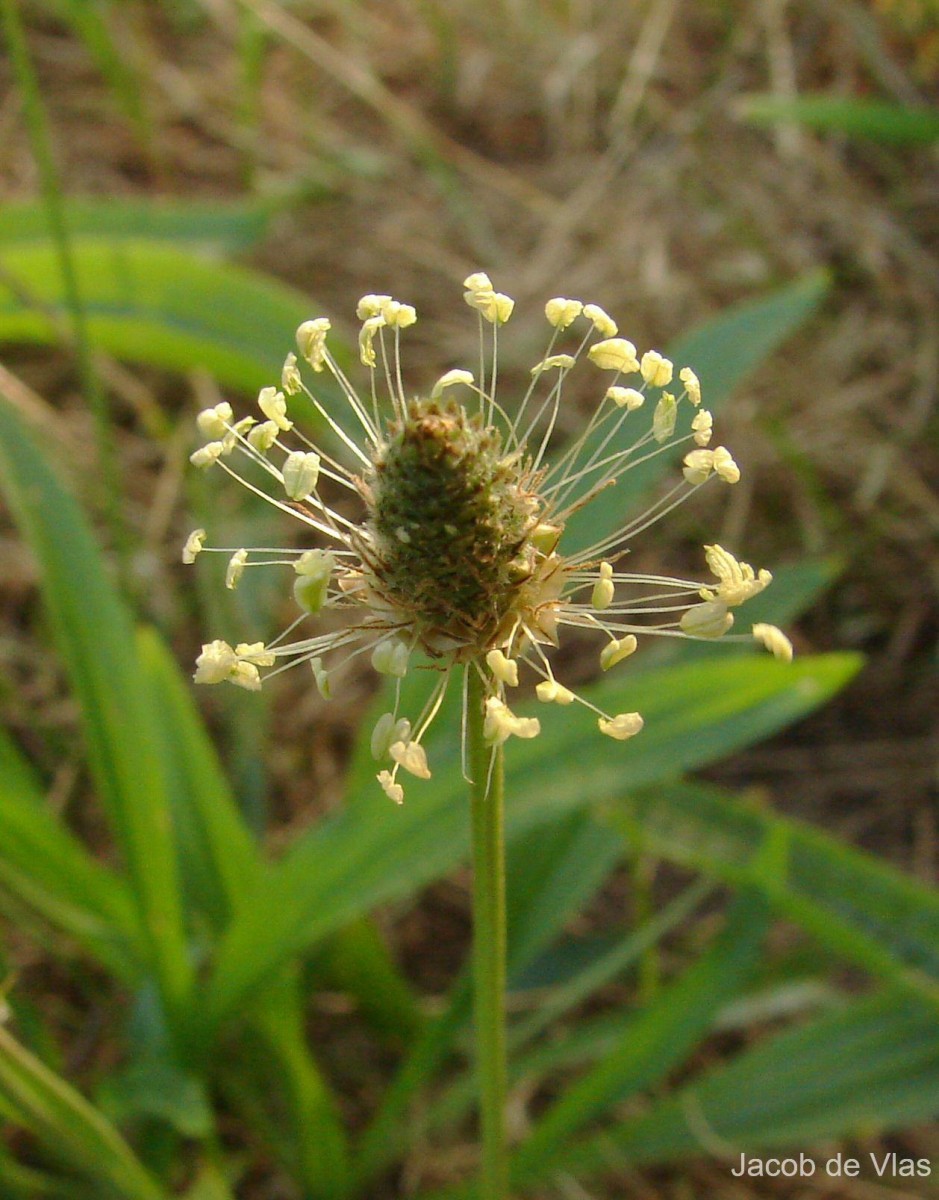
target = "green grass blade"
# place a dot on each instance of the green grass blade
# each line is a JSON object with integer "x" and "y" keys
{"x": 871, "y": 120}
{"x": 18, "y": 1182}
{"x": 225, "y": 226}
{"x": 374, "y": 852}
{"x": 657, "y": 1039}
{"x": 95, "y": 639}
{"x": 863, "y": 1070}
{"x": 68, "y": 1126}
{"x": 153, "y": 303}
{"x": 49, "y": 870}
{"x": 319, "y": 1140}
{"x": 722, "y": 352}
{"x": 860, "y": 908}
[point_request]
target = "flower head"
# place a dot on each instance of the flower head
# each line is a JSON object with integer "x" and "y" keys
{"x": 456, "y": 558}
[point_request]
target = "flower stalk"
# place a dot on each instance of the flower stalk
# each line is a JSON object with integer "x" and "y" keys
{"x": 487, "y": 791}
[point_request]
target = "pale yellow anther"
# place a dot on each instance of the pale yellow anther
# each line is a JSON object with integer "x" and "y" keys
{"x": 213, "y": 423}
{"x": 692, "y": 385}
{"x": 702, "y": 426}
{"x": 603, "y": 323}
{"x": 664, "y": 417}
{"x": 603, "y": 589}
{"x": 236, "y": 568}
{"x": 495, "y": 307}
{"x": 388, "y": 730}
{"x": 698, "y": 466}
{"x": 451, "y": 379}
{"x": 391, "y": 658}
{"x": 371, "y": 306}
{"x": 410, "y": 756}
{"x": 263, "y": 436}
{"x": 614, "y": 354}
{"x": 216, "y": 662}
{"x": 725, "y": 466}
{"x": 394, "y": 791}
{"x": 627, "y": 398}
{"x": 622, "y": 726}
{"x": 290, "y": 379}
{"x": 311, "y": 341}
{"x": 478, "y": 282}
{"x": 616, "y": 650}
{"x": 561, "y": 312}
{"x": 549, "y": 691}
{"x": 314, "y": 571}
{"x": 193, "y": 546}
{"x": 246, "y": 675}
{"x": 207, "y": 455}
{"x": 321, "y": 676}
{"x": 504, "y": 669}
{"x": 737, "y": 580}
{"x": 562, "y": 362}
{"x": 501, "y": 723}
{"x": 301, "y": 470}
{"x": 255, "y": 652}
{"x": 367, "y": 333}
{"x": 655, "y": 369}
{"x": 708, "y": 620}
{"x": 774, "y": 640}
{"x": 398, "y": 315}
{"x": 272, "y": 404}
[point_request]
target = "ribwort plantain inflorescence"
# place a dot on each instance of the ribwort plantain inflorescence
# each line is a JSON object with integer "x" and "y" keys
{"x": 457, "y": 559}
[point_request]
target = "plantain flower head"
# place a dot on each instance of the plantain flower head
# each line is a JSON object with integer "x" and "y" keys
{"x": 450, "y": 552}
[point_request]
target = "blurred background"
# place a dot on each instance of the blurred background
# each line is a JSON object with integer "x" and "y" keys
{"x": 665, "y": 159}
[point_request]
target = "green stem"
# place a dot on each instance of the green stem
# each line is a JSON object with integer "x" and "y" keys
{"x": 489, "y": 943}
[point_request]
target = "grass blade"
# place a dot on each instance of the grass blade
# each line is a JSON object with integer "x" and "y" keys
{"x": 224, "y": 226}
{"x": 866, "y": 1068}
{"x": 871, "y": 120}
{"x": 860, "y": 908}
{"x": 94, "y": 637}
{"x": 68, "y": 1126}
{"x": 658, "y": 1038}
{"x": 49, "y": 870}
{"x": 153, "y": 303}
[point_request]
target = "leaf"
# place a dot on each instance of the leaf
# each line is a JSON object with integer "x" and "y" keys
{"x": 722, "y": 352}
{"x": 68, "y": 1126}
{"x": 872, "y": 120}
{"x": 94, "y": 636}
{"x": 49, "y": 870}
{"x": 656, "y": 1039}
{"x": 374, "y": 852}
{"x": 859, "y": 907}
{"x": 221, "y": 225}
{"x": 153, "y": 303}
{"x": 156, "y": 1087}
{"x": 863, "y": 1070}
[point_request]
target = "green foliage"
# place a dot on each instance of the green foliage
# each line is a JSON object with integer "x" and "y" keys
{"x": 156, "y": 303}
{"x": 214, "y": 941}
{"x": 870, "y": 120}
